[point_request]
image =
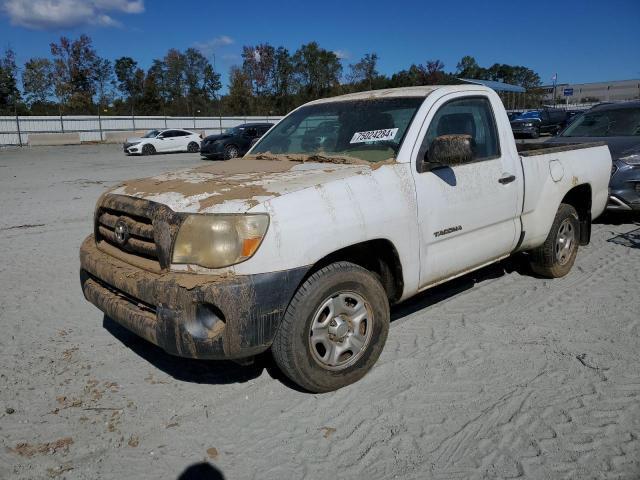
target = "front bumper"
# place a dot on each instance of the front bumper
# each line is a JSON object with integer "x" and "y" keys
{"x": 624, "y": 188}
{"x": 131, "y": 148}
{"x": 522, "y": 130}
{"x": 185, "y": 314}
{"x": 212, "y": 150}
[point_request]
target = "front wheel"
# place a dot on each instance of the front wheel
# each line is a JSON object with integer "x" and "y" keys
{"x": 334, "y": 329}
{"x": 148, "y": 149}
{"x": 230, "y": 151}
{"x": 555, "y": 257}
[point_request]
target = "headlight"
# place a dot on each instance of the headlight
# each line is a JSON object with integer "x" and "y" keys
{"x": 216, "y": 241}
{"x": 633, "y": 159}
{"x": 528, "y": 124}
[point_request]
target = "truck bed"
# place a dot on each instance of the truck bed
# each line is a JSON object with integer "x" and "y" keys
{"x": 531, "y": 149}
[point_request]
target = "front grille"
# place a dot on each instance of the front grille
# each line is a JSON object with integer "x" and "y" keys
{"x": 151, "y": 228}
{"x": 140, "y": 240}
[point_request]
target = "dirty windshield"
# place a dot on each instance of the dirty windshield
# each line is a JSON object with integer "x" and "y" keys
{"x": 370, "y": 130}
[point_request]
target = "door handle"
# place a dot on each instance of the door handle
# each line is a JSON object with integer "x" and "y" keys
{"x": 507, "y": 179}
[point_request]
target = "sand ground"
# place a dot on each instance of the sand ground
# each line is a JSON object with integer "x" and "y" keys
{"x": 496, "y": 375}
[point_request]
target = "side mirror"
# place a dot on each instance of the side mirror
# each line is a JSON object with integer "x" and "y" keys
{"x": 448, "y": 150}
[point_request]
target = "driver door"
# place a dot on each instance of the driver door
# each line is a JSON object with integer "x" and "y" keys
{"x": 467, "y": 212}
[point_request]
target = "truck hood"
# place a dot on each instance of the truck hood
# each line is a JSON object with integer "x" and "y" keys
{"x": 234, "y": 186}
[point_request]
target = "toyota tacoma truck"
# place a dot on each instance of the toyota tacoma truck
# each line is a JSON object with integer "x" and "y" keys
{"x": 345, "y": 207}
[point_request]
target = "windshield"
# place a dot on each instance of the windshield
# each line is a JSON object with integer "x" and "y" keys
{"x": 151, "y": 134}
{"x": 528, "y": 116}
{"x": 370, "y": 130}
{"x": 618, "y": 122}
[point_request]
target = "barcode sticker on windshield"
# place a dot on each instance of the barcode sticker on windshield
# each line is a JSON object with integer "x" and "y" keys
{"x": 374, "y": 135}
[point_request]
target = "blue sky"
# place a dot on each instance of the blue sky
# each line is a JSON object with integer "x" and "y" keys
{"x": 581, "y": 40}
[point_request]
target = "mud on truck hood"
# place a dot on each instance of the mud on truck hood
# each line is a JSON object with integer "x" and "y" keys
{"x": 233, "y": 186}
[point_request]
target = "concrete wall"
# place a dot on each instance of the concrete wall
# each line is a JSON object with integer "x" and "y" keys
{"x": 94, "y": 129}
{"x": 38, "y": 139}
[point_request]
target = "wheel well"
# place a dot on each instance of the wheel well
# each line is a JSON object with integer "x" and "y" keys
{"x": 378, "y": 256}
{"x": 579, "y": 197}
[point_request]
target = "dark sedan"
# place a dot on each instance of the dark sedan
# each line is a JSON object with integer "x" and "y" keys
{"x": 618, "y": 125}
{"x": 536, "y": 122}
{"x": 235, "y": 142}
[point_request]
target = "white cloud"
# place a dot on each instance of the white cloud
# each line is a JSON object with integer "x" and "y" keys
{"x": 52, "y": 14}
{"x": 209, "y": 46}
{"x": 342, "y": 54}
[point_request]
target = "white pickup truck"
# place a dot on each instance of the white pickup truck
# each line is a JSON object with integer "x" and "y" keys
{"x": 348, "y": 205}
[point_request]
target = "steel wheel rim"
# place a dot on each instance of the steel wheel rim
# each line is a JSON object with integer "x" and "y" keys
{"x": 565, "y": 242}
{"x": 341, "y": 330}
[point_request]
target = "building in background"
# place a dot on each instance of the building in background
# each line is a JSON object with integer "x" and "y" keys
{"x": 588, "y": 93}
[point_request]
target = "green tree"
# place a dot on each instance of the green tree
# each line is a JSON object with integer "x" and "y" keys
{"x": 364, "y": 71}
{"x": 317, "y": 70}
{"x": 468, "y": 68}
{"x": 128, "y": 78}
{"x": 239, "y": 99}
{"x": 103, "y": 77}
{"x": 9, "y": 93}
{"x": 74, "y": 65}
{"x": 258, "y": 65}
{"x": 37, "y": 80}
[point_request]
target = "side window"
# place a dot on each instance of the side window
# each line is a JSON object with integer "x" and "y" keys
{"x": 180, "y": 133}
{"x": 466, "y": 116}
{"x": 169, "y": 133}
{"x": 262, "y": 130}
{"x": 251, "y": 132}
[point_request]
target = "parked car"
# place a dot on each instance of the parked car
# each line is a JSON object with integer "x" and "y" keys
{"x": 348, "y": 205}
{"x": 167, "y": 140}
{"x": 235, "y": 142}
{"x": 536, "y": 122}
{"x": 513, "y": 115}
{"x": 618, "y": 125}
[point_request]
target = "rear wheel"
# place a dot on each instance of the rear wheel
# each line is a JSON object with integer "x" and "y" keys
{"x": 148, "y": 149}
{"x": 230, "y": 151}
{"x": 334, "y": 328}
{"x": 555, "y": 257}
{"x": 193, "y": 147}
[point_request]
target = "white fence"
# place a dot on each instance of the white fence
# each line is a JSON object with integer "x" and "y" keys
{"x": 16, "y": 130}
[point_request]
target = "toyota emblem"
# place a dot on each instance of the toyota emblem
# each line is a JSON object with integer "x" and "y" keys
{"x": 121, "y": 232}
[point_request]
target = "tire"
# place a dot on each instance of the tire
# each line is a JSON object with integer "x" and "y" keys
{"x": 193, "y": 147}
{"x": 555, "y": 257}
{"x": 313, "y": 361}
{"x": 148, "y": 149}
{"x": 230, "y": 151}
{"x": 536, "y": 133}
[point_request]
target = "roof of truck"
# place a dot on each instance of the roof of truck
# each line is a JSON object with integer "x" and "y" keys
{"x": 421, "y": 91}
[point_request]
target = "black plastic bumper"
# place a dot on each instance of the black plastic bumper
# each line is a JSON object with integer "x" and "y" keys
{"x": 212, "y": 150}
{"x": 189, "y": 315}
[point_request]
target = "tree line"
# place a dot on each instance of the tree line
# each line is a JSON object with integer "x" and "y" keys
{"x": 269, "y": 81}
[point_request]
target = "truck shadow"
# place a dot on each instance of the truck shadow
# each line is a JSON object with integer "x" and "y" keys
{"x": 219, "y": 372}
{"x": 618, "y": 218}
{"x": 516, "y": 263}
{"x": 184, "y": 369}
